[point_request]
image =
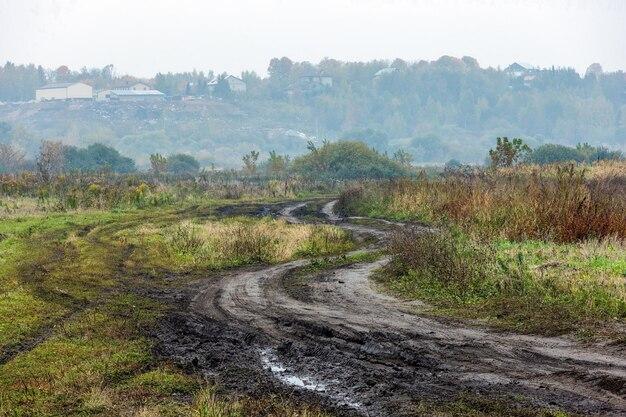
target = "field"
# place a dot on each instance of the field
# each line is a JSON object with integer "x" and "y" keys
{"x": 131, "y": 296}
{"x": 537, "y": 250}
{"x": 76, "y": 302}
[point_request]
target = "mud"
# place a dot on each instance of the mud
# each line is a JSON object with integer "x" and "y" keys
{"x": 360, "y": 352}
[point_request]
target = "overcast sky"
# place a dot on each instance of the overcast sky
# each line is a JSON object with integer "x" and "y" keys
{"x": 144, "y": 37}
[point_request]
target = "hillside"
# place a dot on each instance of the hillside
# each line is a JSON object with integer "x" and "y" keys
{"x": 445, "y": 109}
{"x": 215, "y": 132}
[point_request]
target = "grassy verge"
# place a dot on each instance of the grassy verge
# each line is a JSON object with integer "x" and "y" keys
{"x": 74, "y": 314}
{"x": 530, "y": 287}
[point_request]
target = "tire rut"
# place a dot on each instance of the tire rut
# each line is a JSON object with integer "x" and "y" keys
{"x": 366, "y": 353}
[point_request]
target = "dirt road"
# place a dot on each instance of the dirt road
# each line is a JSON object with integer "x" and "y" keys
{"x": 341, "y": 342}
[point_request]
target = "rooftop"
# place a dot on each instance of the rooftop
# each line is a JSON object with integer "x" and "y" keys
{"x": 137, "y": 93}
{"x": 57, "y": 85}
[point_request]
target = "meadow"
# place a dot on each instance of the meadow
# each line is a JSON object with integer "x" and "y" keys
{"x": 536, "y": 249}
{"x": 77, "y": 302}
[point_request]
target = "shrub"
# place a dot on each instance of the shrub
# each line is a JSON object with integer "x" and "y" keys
{"x": 551, "y": 153}
{"x": 347, "y": 160}
{"x": 182, "y": 164}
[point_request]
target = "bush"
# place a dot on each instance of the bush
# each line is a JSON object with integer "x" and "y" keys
{"x": 96, "y": 157}
{"x": 347, "y": 160}
{"x": 551, "y": 153}
{"x": 480, "y": 279}
{"x": 182, "y": 164}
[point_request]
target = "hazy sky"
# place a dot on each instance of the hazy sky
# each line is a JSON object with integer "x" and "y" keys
{"x": 144, "y": 37}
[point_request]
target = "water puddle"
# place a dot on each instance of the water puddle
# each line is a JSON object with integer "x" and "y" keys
{"x": 270, "y": 361}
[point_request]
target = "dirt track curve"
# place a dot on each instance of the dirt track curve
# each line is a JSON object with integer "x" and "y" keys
{"x": 342, "y": 343}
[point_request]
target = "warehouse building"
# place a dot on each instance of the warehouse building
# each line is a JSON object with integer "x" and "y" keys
{"x": 64, "y": 91}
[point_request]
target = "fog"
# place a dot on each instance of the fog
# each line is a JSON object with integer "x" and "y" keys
{"x": 144, "y": 37}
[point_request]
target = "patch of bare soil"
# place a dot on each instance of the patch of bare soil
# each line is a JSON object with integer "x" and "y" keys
{"x": 359, "y": 352}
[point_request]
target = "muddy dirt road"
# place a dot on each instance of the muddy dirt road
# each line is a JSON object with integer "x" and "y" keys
{"x": 341, "y": 342}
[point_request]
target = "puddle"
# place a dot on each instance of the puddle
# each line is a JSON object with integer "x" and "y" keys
{"x": 270, "y": 361}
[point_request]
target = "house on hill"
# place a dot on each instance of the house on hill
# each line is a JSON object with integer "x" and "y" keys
{"x": 64, "y": 91}
{"x": 384, "y": 72}
{"x": 236, "y": 85}
{"x": 521, "y": 75}
{"x": 517, "y": 69}
{"x": 129, "y": 95}
{"x": 316, "y": 80}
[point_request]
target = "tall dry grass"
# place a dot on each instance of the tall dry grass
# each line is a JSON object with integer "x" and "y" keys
{"x": 558, "y": 204}
{"x": 238, "y": 241}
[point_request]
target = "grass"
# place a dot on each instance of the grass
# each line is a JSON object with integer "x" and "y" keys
{"x": 530, "y": 287}
{"x": 208, "y": 404}
{"x": 74, "y": 314}
{"x": 216, "y": 244}
{"x": 529, "y": 249}
{"x": 559, "y": 205}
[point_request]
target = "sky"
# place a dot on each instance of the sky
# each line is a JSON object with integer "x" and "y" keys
{"x": 145, "y": 37}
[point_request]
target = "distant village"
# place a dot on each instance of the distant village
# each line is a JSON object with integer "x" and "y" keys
{"x": 143, "y": 92}
{"x": 520, "y": 75}
{"x": 135, "y": 92}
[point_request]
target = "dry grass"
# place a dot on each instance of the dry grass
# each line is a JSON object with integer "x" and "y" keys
{"x": 208, "y": 404}
{"x": 558, "y": 204}
{"x": 237, "y": 241}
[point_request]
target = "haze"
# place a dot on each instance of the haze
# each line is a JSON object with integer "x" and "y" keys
{"x": 145, "y": 37}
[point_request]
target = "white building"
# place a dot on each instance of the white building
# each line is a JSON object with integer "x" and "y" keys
{"x": 385, "y": 72}
{"x": 316, "y": 80}
{"x": 136, "y": 95}
{"x": 64, "y": 91}
{"x": 140, "y": 87}
{"x": 236, "y": 85}
{"x": 519, "y": 69}
{"x": 129, "y": 94}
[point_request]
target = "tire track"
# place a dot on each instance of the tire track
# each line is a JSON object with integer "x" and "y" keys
{"x": 370, "y": 353}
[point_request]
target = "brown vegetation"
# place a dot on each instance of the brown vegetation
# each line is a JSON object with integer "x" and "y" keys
{"x": 558, "y": 204}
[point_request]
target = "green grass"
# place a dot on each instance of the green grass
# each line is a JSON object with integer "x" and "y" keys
{"x": 26, "y": 307}
{"x": 531, "y": 286}
{"x": 74, "y": 321}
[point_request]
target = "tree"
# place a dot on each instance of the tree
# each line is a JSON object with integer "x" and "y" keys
{"x": 51, "y": 160}
{"x": 277, "y": 164}
{"x": 403, "y": 158}
{"x": 508, "y": 152}
{"x": 347, "y": 160}
{"x": 182, "y": 164}
{"x": 551, "y": 153}
{"x": 249, "y": 162}
{"x": 11, "y": 159}
{"x": 158, "y": 163}
{"x": 62, "y": 73}
{"x": 96, "y": 157}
